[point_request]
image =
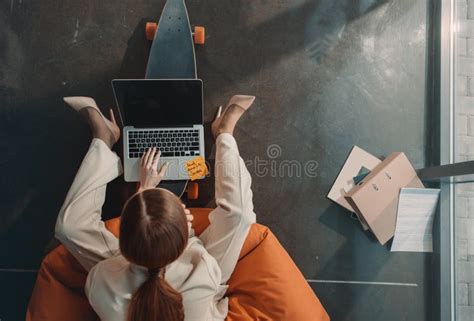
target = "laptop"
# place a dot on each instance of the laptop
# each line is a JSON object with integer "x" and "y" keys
{"x": 162, "y": 113}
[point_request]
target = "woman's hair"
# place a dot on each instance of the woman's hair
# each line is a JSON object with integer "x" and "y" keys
{"x": 154, "y": 233}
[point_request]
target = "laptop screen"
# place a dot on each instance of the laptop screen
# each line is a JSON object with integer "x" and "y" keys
{"x": 159, "y": 103}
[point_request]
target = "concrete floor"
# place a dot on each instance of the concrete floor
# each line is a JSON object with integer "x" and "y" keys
{"x": 327, "y": 74}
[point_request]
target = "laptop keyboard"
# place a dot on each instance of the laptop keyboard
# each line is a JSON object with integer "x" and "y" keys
{"x": 171, "y": 143}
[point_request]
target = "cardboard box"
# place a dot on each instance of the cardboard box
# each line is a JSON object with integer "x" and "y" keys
{"x": 344, "y": 182}
{"x": 357, "y": 159}
{"x": 375, "y": 198}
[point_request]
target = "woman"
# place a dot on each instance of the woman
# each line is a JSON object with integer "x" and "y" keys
{"x": 156, "y": 270}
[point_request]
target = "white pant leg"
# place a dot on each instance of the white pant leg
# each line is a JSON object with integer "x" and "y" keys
{"x": 231, "y": 220}
{"x": 79, "y": 225}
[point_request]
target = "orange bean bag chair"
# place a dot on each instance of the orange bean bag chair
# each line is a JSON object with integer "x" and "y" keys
{"x": 265, "y": 285}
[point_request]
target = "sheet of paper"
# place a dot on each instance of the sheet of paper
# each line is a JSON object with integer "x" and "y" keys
{"x": 415, "y": 215}
{"x": 196, "y": 168}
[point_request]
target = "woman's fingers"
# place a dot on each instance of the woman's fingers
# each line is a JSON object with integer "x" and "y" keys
{"x": 144, "y": 158}
{"x": 186, "y": 210}
{"x": 151, "y": 157}
{"x": 163, "y": 169}
{"x": 189, "y": 216}
{"x": 156, "y": 159}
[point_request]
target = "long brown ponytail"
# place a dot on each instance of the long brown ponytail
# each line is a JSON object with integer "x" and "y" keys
{"x": 153, "y": 234}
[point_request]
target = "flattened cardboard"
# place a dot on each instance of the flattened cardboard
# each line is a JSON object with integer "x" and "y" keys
{"x": 375, "y": 199}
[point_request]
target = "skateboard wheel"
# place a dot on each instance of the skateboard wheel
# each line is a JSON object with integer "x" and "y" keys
{"x": 150, "y": 30}
{"x": 193, "y": 191}
{"x": 199, "y": 35}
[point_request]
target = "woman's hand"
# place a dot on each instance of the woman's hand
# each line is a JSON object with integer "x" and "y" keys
{"x": 150, "y": 177}
{"x": 190, "y": 219}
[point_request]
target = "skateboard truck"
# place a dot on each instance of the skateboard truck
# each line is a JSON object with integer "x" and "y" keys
{"x": 199, "y": 34}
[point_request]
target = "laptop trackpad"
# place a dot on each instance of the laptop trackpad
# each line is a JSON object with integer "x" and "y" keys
{"x": 176, "y": 169}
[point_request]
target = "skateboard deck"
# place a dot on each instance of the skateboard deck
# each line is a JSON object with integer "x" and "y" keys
{"x": 172, "y": 56}
{"x": 172, "y": 52}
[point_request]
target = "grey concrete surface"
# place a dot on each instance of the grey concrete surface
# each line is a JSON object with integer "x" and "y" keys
{"x": 327, "y": 75}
